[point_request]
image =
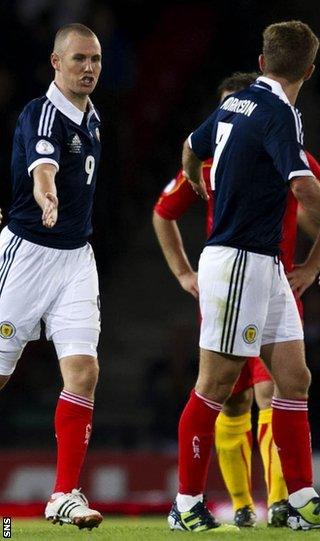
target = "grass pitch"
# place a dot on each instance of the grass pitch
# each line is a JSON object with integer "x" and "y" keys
{"x": 145, "y": 529}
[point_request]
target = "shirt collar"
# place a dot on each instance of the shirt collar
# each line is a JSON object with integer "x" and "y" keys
{"x": 66, "y": 107}
{"x": 274, "y": 87}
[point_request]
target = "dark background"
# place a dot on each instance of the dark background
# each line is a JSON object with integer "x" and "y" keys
{"x": 162, "y": 62}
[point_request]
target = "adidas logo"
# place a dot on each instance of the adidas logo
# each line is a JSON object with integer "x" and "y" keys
{"x": 75, "y": 144}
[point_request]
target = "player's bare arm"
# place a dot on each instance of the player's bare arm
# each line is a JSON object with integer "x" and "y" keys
{"x": 307, "y": 223}
{"x": 1, "y": 216}
{"x": 45, "y": 192}
{"x": 171, "y": 243}
{"x": 307, "y": 191}
{"x": 192, "y": 167}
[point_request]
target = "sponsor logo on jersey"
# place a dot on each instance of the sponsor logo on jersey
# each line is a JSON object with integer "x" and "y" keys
{"x": 250, "y": 334}
{"x": 98, "y": 134}
{"x": 75, "y": 144}
{"x": 44, "y": 147}
{"x": 7, "y": 330}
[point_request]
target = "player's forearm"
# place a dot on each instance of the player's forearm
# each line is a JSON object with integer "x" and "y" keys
{"x": 43, "y": 183}
{"x": 192, "y": 166}
{"x": 307, "y": 223}
{"x": 307, "y": 192}
{"x": 171, "y": 243}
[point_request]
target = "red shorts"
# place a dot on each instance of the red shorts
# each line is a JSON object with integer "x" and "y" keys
{"x": 253, "y": 372}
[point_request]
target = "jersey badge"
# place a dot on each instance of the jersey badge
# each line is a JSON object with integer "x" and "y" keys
{"x": 7, "y": 330}
{"x": 44, "y": 147}
{"x": 249, "y": 334}
{"x": 75, "y": 144}
{"x": 304, "y": 158}
{"x": 98, "y": 134}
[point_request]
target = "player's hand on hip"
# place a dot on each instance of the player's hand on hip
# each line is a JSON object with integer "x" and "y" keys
{"x": 189, "y": 282}
{"x": 199, "y": 187}
{"x": 50, "y": 210}
{"x": 301, "y": 277}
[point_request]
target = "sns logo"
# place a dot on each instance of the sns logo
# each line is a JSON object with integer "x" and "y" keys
{"x": 250, "y": 334}
{"x": 196, "y": 447}
{"x": 7, "y": 330}
{"x": 88, "y": 434}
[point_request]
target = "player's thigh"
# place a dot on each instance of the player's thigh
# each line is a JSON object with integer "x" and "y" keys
{"x": 19, "y": 310}
{"x": 73, "y": 319}
{"x": 283, "y": 323}
{"x": 234, "y": 291}
{"x": 217, "y": 374}
{"x": 286, "y": 361}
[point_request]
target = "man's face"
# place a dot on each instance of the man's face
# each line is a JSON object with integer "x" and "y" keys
{"x": 78, "y": 64}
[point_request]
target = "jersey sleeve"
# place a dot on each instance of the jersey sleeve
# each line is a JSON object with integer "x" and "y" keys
{"x": 200, "y": 141}
{"x": 41, "y": 135}
{"x": 283, "y": 142}
{"x": 176, "y": 198}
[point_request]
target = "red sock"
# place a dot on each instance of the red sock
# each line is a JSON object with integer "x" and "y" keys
{"x": 291, "y": 434}
{"x": 195, "y": 443}
{"x": 73, "y": 425}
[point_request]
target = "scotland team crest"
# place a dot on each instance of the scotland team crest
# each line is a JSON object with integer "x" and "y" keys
{"x": 250, "y": 333}
{"x": 7, "y": 330}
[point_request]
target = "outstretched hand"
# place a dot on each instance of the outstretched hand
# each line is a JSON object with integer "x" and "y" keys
{"x": 50, "y": 210}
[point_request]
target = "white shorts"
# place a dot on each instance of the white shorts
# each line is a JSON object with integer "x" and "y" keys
{"x": 58, "y": 286}
{"x": 245, "y": 302}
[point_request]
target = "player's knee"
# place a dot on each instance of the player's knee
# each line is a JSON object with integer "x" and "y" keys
{"x": 296, "y": 385}
{"x": 80, "y": 374}
{"x": 263, "y": 394}
{"x": 238, "y": 404}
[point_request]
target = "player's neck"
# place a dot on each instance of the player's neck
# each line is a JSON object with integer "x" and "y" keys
{"x": 291, "y": 90}
{"x": 79, "y": 101}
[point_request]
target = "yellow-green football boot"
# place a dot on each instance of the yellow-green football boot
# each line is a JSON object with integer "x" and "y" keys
{"x": 198, "y": 519}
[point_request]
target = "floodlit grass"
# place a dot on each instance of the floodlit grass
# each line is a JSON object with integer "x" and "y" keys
{"x": 144, "y": 529}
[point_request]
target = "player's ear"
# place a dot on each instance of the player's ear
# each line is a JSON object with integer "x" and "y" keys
{"x": 55, "y": 61}
{"x": 309, "y": 72}
{"x": 262, "y": 62}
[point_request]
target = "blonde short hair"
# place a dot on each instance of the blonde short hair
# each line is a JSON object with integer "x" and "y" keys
{"x": 289, "y": 49}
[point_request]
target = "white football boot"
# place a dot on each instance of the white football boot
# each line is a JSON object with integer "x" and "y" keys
{"x": 72, "y": 508}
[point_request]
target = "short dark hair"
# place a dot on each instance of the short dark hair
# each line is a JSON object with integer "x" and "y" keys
{"x": 237, "y": 81}
{"x": 67, "y": 29}
{"x": 289, "y": 49}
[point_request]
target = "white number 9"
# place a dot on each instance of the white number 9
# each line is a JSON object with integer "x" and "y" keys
{"x": 89, "y": 167}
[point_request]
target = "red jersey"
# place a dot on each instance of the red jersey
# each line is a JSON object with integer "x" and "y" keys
{"x": 178, "y": 196}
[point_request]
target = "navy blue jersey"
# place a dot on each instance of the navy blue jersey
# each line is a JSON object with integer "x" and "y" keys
{"x": 52, "y": 130}
{"x": 255, "y": 138}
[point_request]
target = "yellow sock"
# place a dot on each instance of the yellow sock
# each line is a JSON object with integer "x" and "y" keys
{"x": 276, "y": 486}
{"x": 233, "y": 445}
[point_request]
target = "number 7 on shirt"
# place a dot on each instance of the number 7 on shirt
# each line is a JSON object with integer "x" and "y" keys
{"x": 223, "y": 134}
